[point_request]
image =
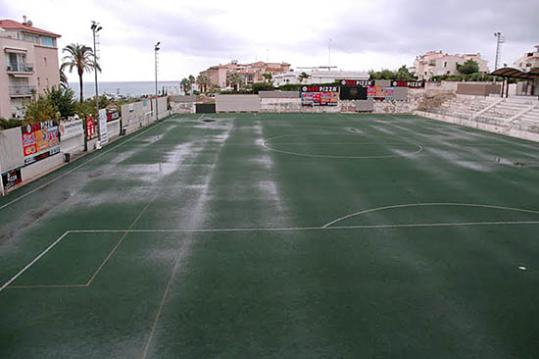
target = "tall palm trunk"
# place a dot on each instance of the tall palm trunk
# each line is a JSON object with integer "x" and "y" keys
{"x": 80, "y": 86}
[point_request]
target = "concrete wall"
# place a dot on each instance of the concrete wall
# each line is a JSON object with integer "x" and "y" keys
{"x": 113, "y": 129}
{"x": 479, "y": 89}
{"x": 237, "y": 103}
{"x": 280, "y": 105}
{"x": 134, "y": 116}
{"x": 278, "y": 94}
{"x": 137, "y": 115}
{"x": 41, "y": 168}
{"x": 11, "y": 154}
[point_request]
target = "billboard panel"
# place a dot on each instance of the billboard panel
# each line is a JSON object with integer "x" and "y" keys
{"x": 380, "y": 93}
{"x": 351, "y": 90}
{"x": 103, "y": 133}
{"x": 39, "y": 141}
{"x": 319, "y": 95}
{"x": 11, "y": 178}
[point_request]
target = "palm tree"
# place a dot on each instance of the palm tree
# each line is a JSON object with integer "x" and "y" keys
{"x": 185, "y": 85}
{"x": 235, "y": 79}
{"x": 203, "y": 82}
{"x": 80, "y": 57}
{"x": 64, "y": 83}
{"x": 303, "y": 76}
{"x": 267, "y": 77}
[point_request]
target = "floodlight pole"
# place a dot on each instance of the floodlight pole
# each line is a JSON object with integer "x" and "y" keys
{"x": 95, "y": 29}
{"x": 156, "y": 52}
{"x": 499, "y": 40}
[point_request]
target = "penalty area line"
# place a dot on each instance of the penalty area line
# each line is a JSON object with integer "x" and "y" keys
{"x": 38, "y": 257}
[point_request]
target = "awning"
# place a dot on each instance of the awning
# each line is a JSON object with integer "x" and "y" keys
{"x": 511, "y": 72}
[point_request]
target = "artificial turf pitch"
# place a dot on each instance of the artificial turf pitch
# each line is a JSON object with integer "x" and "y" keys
{"x": 271, "y": 236}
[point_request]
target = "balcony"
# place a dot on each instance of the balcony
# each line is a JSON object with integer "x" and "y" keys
{"x": 20, "y": 69}
{"x": 22, "y": 91}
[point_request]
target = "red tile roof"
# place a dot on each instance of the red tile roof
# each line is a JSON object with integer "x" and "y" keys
{"x": 14, "y": 25}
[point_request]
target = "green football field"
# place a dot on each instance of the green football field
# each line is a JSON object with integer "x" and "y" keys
{"x": 278, "y": 236}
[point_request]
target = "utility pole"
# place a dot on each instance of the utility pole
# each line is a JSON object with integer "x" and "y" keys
{"x": 156, "y": 51}
{"x": 95, "y": 30}
{"x": 499, "y": 41}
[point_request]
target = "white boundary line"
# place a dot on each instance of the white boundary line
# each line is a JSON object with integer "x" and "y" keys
{"x": 327, "y": 226}
{"x": 426, "y": 205}
{"x": 79, "y": 166}
{"x": 268, "y": 147}
{"x": 45, "y": 251}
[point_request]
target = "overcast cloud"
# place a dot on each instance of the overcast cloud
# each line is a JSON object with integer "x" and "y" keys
{"x": 364, "y": 34}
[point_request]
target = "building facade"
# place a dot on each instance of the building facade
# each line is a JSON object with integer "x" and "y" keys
{"x": 529, "y": 61}
{"x": 30, "y": 65}
{"x": 250, "y": 73}
{"x": 438, "y": 63}
{"x": 316, "y": 76}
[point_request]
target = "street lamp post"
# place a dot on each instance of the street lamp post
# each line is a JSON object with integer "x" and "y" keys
{"x": 95, "y": 29}
{"x": 156, "y": 52}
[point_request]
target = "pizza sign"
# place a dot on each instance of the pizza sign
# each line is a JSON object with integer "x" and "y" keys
{"x": 320, "y": 89}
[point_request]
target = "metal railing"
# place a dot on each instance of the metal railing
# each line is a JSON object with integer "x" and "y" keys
{"x": 20, "y": 67}
{"x": 22, "y": 90}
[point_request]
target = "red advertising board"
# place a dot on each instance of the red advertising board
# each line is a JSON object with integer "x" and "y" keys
{"x": 90, "y": 127}
{"x": 320, "y": 95}
{"x": 39, "y": 141}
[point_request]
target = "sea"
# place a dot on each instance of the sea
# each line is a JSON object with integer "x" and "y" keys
{"x": 128, "y": 89}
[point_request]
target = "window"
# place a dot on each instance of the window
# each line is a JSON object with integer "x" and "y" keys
{"x": 47, "y": 41}
{"x": 45, "y": 61}
{"x": 445, "y": 63}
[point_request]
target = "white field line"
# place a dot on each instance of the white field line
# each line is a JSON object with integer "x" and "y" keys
{"x": 113, "y": 250}
{"x": 45, "y": 251}
{"x": 268, "y": 147}
{"x": 297, "y": 229}
{"x": 48, "y": 286}
{"x": 262, "y": 229}
{"x": 75, "y": 168}
{"x": 355, "y": 214}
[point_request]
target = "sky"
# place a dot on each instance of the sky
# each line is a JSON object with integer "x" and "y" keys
{"x": 364, "y": 34}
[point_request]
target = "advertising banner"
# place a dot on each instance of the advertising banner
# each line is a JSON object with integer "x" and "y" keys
{"x": 11, "y": 178}
{"x": 90, "y": 127}
{"x": 39, "y": 141}
{"x": 350, "y": 90}
{"x": 104, "y": 139}
{"x": 380, "y": 93}
{"x": 319, "y": 95}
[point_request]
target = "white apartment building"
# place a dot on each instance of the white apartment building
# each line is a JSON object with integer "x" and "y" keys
{"x": 528, "y": 61}
{"x": 318, "y": 77}
{"x": 438, "y": 63}
{"x": 30, "y": 65}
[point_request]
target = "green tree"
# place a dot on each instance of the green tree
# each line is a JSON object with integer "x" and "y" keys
{"x": 235, "y": 79}
{"x": 385, "y": 74}
{"x": 468, "y": 68}
{"x": 262, "y": 86}
{"x": 203, "y": 83}
{"x": 186, "y": 85}
{"x": 267, "y": 77}
{"x": 81, "y": 58}
{"x": 63, "y": 78}
{"x": 403, "y": 74}
{"x": 41, "y": 110}
{"x": 63, "y": 99}
{"x": 303, "y": 76}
